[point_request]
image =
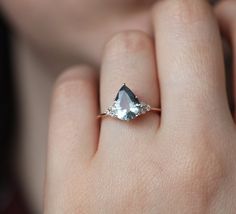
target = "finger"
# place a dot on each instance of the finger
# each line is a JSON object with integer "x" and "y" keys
{"x": 190, "y": 62}
{"x": 226, "y": 14}
{"x": 73, "y": 133}
{"x": 129, "y": 58}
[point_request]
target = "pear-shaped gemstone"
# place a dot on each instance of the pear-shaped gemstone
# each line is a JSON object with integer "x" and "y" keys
{"x": 126, "y": 104}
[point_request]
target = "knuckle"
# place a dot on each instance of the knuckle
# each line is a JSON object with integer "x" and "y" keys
{"x": 128, "y": 41}
{"x": 73, "y": 74}
{"x": 73, "y": 80}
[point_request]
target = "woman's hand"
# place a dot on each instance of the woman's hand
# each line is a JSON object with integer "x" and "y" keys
{"x": 182, "y": 161}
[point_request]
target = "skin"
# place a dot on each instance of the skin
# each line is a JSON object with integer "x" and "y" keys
{"x": 182, "y": 161}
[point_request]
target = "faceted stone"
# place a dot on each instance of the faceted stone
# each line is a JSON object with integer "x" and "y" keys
{"x": 126, "y": 106}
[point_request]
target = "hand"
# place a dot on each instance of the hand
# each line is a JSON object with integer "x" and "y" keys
{"x": 182, "y": 161}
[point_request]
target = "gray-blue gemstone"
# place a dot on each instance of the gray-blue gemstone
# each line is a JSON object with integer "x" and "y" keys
{"x": 126, "y": 105}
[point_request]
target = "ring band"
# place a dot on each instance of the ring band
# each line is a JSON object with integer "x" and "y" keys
{"x": 101, "y": 115}
{"x": 127, "y": 106}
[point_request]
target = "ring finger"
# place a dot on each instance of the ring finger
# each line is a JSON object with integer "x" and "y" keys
{"x": 129, "y": 58}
